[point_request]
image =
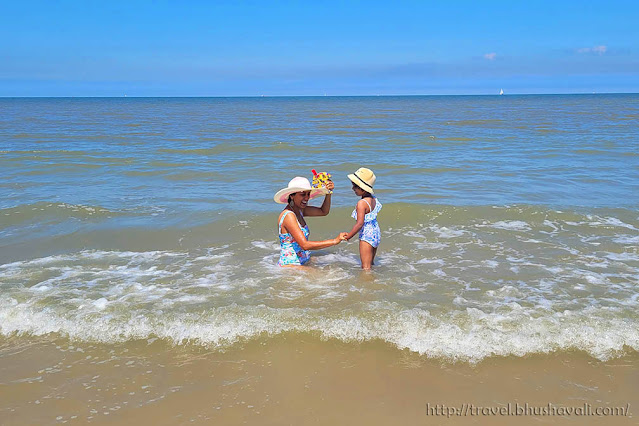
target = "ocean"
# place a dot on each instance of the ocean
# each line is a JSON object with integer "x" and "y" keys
{"x": 510, "y": 226}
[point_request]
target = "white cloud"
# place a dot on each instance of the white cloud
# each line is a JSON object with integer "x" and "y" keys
{"x": 492, "y": 56}
{"x": 599, "y": 50}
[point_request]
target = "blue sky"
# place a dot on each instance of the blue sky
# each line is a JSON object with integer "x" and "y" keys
{"x": 253, "y": 48}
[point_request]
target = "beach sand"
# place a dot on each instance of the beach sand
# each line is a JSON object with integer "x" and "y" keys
{"x": 297, "y": 379}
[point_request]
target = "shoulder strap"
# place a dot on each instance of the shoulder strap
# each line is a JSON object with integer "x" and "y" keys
{"x": 369, "y": 205}
{"x": 282, "y": 220}
{"x": 378, "y": 205}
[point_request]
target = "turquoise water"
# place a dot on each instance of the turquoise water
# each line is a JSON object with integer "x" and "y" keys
{"x": 510, "y": 223}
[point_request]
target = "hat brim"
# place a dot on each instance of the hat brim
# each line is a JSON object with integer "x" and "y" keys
{"x": 281, "y": 197}
{"x": 357, "y": 181}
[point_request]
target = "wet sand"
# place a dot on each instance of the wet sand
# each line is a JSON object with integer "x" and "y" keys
{"x": 298, "y": 380}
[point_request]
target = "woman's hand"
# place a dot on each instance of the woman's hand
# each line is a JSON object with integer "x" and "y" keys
{"x": 326, "y": 205}
{"x": 341, "y": 237}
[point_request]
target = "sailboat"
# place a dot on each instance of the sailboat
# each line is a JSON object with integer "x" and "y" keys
{"x": 501, "y": 92}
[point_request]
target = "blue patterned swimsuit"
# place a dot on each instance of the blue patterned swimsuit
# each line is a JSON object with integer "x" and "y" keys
{"x": 290, "y": 252}
{"x": 370, "y": 232}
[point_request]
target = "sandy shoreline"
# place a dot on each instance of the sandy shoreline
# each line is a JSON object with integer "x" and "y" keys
{"x": 298, "y": 379}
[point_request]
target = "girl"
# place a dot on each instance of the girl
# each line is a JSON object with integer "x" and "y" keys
{"x": 366, "y": 215}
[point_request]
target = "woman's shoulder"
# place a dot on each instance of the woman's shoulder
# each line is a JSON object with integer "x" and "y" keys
{"x": 283, "y": 213}
{"x": 285, "y": 216}
{"x": 289, "y": 218}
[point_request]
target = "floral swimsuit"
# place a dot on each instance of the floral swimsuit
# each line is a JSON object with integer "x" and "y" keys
{"x": 290, "y": 252}
{"x": 370, "y": 232}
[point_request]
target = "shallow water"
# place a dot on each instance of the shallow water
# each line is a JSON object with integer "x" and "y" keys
{"x": 509, "y": 225}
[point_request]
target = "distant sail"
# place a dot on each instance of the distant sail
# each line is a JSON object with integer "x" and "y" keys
{"x": 501, "y": 91}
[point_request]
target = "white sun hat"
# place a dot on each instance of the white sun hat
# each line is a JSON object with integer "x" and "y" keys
{"x": 298, "y": 184}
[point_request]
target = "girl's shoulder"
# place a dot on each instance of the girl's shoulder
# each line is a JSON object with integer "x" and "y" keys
{"x": 367, "y": 202}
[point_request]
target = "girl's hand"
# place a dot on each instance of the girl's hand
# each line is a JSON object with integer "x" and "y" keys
{"x": 342, "y": 236}
{"x": 330, "y": 185}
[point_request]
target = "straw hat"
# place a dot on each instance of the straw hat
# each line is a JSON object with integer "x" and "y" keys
{"x": 364, "y": 178}
{"x": 298, "y": 184}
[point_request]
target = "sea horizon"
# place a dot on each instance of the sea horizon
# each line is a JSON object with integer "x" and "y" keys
{"x": 322, "y": 95}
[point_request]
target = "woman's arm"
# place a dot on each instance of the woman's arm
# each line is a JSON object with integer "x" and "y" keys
{"x": 293, "y": 228}
{"x": 326, "y": 205}
{"x": 361, "y": 213}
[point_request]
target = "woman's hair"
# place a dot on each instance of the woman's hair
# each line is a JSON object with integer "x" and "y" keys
{"x": 289, "y": 197}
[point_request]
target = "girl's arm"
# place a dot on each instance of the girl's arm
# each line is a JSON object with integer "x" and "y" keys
{"x": 293, "y": 228}
{"x": 361, "y": 212}
{"x": 326, "y": 205}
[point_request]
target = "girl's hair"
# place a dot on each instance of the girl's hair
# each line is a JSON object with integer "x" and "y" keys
{"x": 365, "y": 191}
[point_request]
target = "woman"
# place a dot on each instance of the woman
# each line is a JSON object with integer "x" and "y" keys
{"x": 293, "y": 230}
